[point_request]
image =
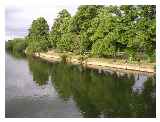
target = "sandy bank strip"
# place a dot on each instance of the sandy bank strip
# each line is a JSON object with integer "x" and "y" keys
{"x": 98, "y": 63}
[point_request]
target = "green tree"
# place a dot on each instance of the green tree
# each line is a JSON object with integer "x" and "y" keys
{"x": 59, "y": 35}
{"x": 106, "y": 35}
{"x": 81, "y": 24}
{"x": 140, "y": 34}
{"x": 16, "y": 45}
{"x": 103, "y": 30}
{"x": 37, "y": 39}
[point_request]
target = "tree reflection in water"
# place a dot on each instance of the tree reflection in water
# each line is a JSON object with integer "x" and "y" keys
{"x": 39, "y": 70}
{"x": 97, "y": 94}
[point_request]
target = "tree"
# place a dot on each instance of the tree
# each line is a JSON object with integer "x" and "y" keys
{"x": 59, "y": 29}
{"x": 142, "y": 34}
{"x": 106, "y": 34}
{"x": 81, "y": 24}
{"x": 103, "y": 30}
{"x": 37, "y": 38}
{"x": 16, "y": 45}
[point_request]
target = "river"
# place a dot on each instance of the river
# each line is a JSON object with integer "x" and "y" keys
{"x": 37, "y": 88}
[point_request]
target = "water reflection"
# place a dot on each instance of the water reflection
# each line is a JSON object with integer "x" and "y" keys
{"x": 40, "y": 70}
{"x": 98, "y": 94}
{"x": 16, "y": 55}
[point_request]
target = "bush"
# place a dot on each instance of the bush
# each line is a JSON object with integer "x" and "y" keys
{"x": 16, "y": 45}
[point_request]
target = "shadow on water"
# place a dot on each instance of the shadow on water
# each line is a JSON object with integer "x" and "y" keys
{"x": 97, "y": 94}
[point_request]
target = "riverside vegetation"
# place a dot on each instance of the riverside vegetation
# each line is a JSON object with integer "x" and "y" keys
{"x": 117, "y": 32}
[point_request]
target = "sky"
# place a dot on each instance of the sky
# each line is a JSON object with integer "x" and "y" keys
{"x": 18, "y": 19}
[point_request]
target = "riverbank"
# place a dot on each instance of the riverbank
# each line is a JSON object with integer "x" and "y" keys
{"x": 98, "y": 63}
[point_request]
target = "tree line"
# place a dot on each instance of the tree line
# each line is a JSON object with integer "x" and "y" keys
{"x": 102, "y": 31}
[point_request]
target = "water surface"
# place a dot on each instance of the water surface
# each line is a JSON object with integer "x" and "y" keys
{"x": 36, "y": 88}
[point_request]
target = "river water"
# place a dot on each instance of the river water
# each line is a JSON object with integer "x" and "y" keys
{"x": 36, "y": 88}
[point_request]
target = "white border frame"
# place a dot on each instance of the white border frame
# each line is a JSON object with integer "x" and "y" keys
{"x": 4, "y": 3}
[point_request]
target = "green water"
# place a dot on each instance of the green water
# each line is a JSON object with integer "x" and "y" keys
{"x": 36, "y": 88}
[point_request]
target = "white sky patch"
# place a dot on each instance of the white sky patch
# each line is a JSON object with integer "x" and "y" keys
{"x": 19, "y": 19}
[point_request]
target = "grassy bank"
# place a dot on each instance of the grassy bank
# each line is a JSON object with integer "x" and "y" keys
{"x": 97, "y": 63}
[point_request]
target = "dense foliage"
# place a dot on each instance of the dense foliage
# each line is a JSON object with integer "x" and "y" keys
{"x": 37, "y": 39}
{"x": 107, "y": 30}
{"x": 103, "y": 31}
{"x": 16, "y": 45}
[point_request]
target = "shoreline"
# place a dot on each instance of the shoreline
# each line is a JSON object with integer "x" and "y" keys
{"x": 98, "y": 63}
